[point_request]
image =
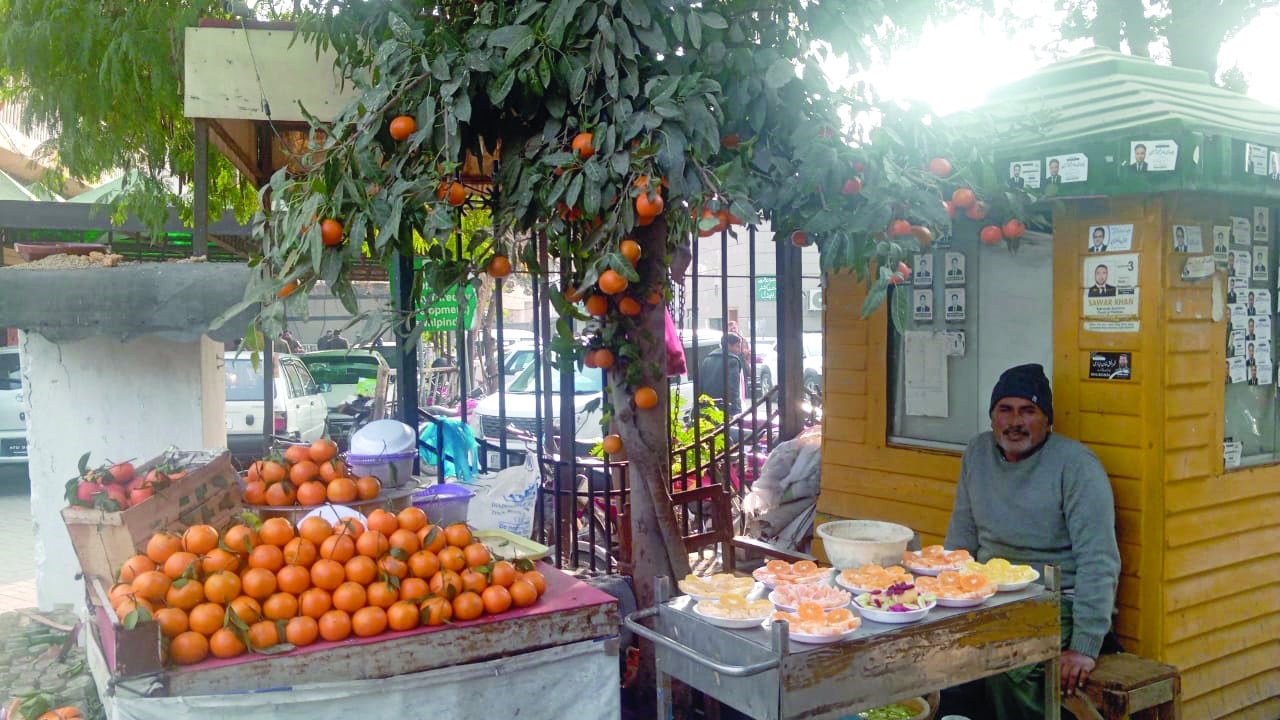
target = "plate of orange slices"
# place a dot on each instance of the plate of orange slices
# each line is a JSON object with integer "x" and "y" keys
{"x": 810, "y": 623}
{"x": 957, "y": 590}
{"x": 781, "y": 572}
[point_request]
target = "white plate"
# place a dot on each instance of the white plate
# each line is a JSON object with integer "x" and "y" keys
{"x": 963, "y": 603}
{"x": 792, "y": 608}
{"x": 893, "y": 618}
{"x": 755, "y": 593}
{"x": 813, "y": 639}
{"x": 1014, "y": 587}
{"x": 728, "y": 622}
{"x": 855, "y": 590}
{"x": 931, "y": 572}
{"x": 809, "y": 580}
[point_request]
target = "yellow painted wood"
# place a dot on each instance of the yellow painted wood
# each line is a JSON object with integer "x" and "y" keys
{"x": 1214, "y": 585}
{"x": 1222, "y": 521}
{"x": 1192, "y": 336}
{"x": 937, "y": 494}
{"x": 1109, "y": 429}
{"x": 1110, "y": 397}
{"x": 1236, "y": 703}
{"x": 1208, "y": 492}
{"x": 851, "y": 406}
{"x": 1187, "y": 304}
{"x": 1189, "y": 463}
{"x": 925, "y": 463}
{"x": 1226, "y": 641}
{"x": 1125, "y": 462}
{"x": 1189, "y": 400}
{"x": 1189, "y": 368}
{"x": 1221, "y": 551}
{"x": 919, "y": 518}
{"x": 1201, "y": 620}
{"x": 1190, "y": 432}
{"x": 1213, "y": 676}
{"x": 845, "y": 381}
{"x": 852, "y": 430}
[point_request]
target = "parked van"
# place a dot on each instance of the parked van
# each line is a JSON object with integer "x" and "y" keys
{"x": 299, "y": 406}
{"x": 13, "y": 420}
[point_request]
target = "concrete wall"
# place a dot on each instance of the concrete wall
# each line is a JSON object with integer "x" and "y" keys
{"x": 118, "y": 401}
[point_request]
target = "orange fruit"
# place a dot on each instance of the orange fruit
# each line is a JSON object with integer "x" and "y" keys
{"x": 162, "y": 545}
{"x": 335, "y": 625}
{"x": 316, "y": 529}
{"x": 456, "y": 195}
{"x": 328, "y": 574}
{"x": 361, "y": 569}
{"x": 414, "y": 589}
{"x": 496, "y": 599}
{"x": 382, "y": 521}
{"x": 423, "y": 564}
{"x": 612, "y": 444}
{"x": 458, "y": 535}
{"x": 218, "y": 559}
{"x": 503, "y": 573}
{"x": 369, "y": 621}
{"x": 406, "y": 540}
{"x": 181, "y": 563}
{"x": 402, "y": 126}
{"x": 477, "y": 554}
{"x": 473, "y": 581}
{"x": 603, "y": 358}
{"x": 297, "y": 453}
{"x": 368, "y": 487}
{"x": 468, "y": 606}
{"x": 330, "y": 232}
{"x": 523, "y": 593}
{"x": 322, "y": 451}
{"x": 611, "y": 283}
{"x": 206, "y": 618}
{"x": 315, "y": 602}
{"x": 225, "y": 644}
{"x": 446, "y": 582}
{"x": 342, "y": 490}
{"x": 264, "y": 634}
{"x": 646, "y": 398}
{"x": 281, "y": 494}
{"x": 172, "y": 621}
{"x": 304, "y": 471}
{"x": 412, "y": 519}
{"x": 649, "y": 204}
{"x": 300, "y": 551}
{"x": 338, "y": 547}
{"x": 435, "y": 611}
{"x": 382, "y": 594}
{"x": 222, "y": 587}
{"x": 185, "y": 594}
{"x": 330, "y": 470}
{"x": 276, "y": 531}
{"x": 350, "y": 597}
{"x": 120, "y": 591}
{"x": 247, "y": 609}
{"x": 535, "y": 578}
{"x": 403, "y": 616}
{"x": 452, "y": 558}
{"x": 302, "y": 631}
{"x": 940, "y": 166}
{"x": 963, "y": 198}
{"x": 655, "y": 298}
{"x": 133, "y": 604}
{"x": 135, "y": 566}
{"x": 268, "y": 557}
{"x": 280, "y": 606}
{"x": 152, "y": 585}
{"x": 200, "y": 539}
{"x": 433, "y": 538}
{"x": 273, "y": 472}
{"x": 255, "y": 492}
{"x": 393, "y": 566}
{"x": 630, "y": 249}
{"x": 629, "y": 306}
{"x": 582, "y": 145}
{"x": 312, "y": 493}
{"x": 293, "y": 579}
{"x": 499, "y": 266}
{"x": 258, "y": 583}
{"x": 598, "y": 305}
{"x": 373, "y": 544}
{"x": 189, "y": 648}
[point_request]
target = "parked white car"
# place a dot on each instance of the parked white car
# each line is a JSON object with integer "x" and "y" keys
{"x": 13, "y": 420}
{"x": 299, "y": 406}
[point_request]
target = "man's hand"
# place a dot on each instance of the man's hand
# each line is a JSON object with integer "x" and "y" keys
{"x": 1075, "y": 670}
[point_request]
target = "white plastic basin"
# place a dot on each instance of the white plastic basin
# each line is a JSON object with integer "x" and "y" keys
{"x": 854, "y": 543}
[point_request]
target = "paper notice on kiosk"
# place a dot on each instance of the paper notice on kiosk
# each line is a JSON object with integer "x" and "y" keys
{"x": 926, "y": 374}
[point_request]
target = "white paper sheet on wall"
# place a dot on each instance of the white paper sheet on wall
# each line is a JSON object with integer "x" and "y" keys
{"x": 926, "y": 374}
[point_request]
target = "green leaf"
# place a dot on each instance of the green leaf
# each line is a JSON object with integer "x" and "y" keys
{"x": 575, "y": 190}
{"x": 399, "y": 28}
{"x": 518, "y": 48}
{"x": 505, "y": 37}
{"x": 500, "y": 87}
{"x": 779, "y": 73}
{"x": 695, "y": 30}
{"x": 440, "y": 68}
{"x": 637, "y": 12}
{"x": 714, "y": 21}
{"x": 530, "y": 10}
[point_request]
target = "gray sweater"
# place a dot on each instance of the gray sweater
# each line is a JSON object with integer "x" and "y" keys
{"x": 1053, "y": 508}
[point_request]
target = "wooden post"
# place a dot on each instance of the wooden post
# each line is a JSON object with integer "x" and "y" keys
{"x": 790, "y": 339}
{"x": 200, "y": 237}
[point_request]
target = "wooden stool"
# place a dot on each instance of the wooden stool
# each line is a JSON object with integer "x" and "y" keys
{"x": 1124, "y": 685}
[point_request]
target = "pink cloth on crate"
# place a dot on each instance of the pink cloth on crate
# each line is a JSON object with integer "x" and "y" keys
{"x": 675, "y": 349}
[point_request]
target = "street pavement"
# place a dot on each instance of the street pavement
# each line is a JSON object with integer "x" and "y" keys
{"x": 17, "y": 541}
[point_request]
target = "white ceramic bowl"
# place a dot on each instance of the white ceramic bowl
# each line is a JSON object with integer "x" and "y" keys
{"x": 854, "y": 543}
{"x": 773, "y": 598}
{"x": 893, "y": 618}
{"x": 729, "y": 623}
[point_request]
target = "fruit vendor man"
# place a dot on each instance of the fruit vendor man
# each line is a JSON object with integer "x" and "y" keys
{"x": 1034, "y": 497}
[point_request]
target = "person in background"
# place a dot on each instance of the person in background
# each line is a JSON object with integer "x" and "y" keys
{"x": 724, "y": 365}
{"x": 1031, "y": 496}
{"x": 1139, "y": 158}
{"x": 292, "y": 342}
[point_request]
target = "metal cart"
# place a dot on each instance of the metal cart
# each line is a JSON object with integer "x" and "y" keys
{"x": 762, "y": 673}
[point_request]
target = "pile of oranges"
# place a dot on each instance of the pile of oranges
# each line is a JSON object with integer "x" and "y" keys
{"x": 308, "y": 476}
{"x": 268, "y": 588}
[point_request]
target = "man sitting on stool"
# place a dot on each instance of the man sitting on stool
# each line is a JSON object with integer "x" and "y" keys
{"x": 1034, "y": 497}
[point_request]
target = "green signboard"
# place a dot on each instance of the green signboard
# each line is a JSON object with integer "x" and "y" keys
{"x": 766, "y": 287}
{"x": 442, "y": 316}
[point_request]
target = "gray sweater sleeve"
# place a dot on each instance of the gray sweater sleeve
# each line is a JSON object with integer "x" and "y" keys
{"x": 962, "y": 530}
{"x": 1091, "y": 520}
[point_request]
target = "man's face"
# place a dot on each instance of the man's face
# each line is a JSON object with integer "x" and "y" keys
{"x": 1018, "y": 426}
{"x": 1053, "y": 168}
{"x": 735, "y": 348}
{"x": 1180, "y": 234}
{"x": 1017, "y": 170}
{"x": 1250, "y": 299}
{"x": 1250, "y": 351}
{"x": 1124, "y": 361}
{"x": 1139, "y": 154}
{"x": 1100, "y": 275}
{"x": 1099, "y": 236}
{"x": 955, "y": 299}
{"x": 1250, "y": 327}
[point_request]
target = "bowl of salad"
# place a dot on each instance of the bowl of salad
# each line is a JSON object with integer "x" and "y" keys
{"x": 898, "y": 604}
{"x": 914, "y": 709}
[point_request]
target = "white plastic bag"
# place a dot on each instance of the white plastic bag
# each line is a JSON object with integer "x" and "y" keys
{"x": 505, "y": 500}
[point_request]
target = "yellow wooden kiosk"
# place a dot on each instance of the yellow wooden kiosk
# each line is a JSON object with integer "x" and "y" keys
{"x": 1180, "y": 180}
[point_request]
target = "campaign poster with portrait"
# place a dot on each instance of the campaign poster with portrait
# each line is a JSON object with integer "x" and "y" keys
{"x": 1153, "y": 155}
{"x": 1241, "y": 231}
{"x": 1260, "y": 374}
{"x": 1274, "y": 172}
{"x": 1236, "y": 344}
{"x": 1255, "y": 159}
{"x": 954, "y": 303}
{"x": 953, "y": 268}
{"x": 1236, "y": 369}
{"x": 1239, "y": 316}
{"x": 922, "y": 270}
{"x": 1221, "y": 238}
{"x": 1261, "y": 225}
{"x": 1238, "y": 264}
{"x": 922, "y": 304}
{"x": 1257, "y": 301}
{"x": 1261, "y": 327}
{"x": 1260, "y": 266}
{"x": 1109, "y": 238}
{"x": 1262, "y": 351}
{"x": 1186, "y": 239}
{"x": 1024, "y": 175}
{"x": 1237, "y": 286}
{"x": 1069, "y": 168}
{"x": 1114, "y": 270}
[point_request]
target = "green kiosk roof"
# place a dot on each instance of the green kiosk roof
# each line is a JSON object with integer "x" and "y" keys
{"x": 1091, "y": 110}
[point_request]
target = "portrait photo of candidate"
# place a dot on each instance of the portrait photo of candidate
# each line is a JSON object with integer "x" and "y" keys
{"x": 1231, "y": 296}
{"x": 1100, "y": 288}
{"x": 1098, "y": 239}
{"x": 923, "y": 309}
{"x": 1249, "y": 308}
{"x": 1259, "y": 263}
{"x": 954, "y": 303}
{"x": 1253, "y": 374}
{"x": 1122, "y": 366}
{"x": 1249, "y": 359}
{"x": 1055, "y": 168}
{"x": 923, "y": 272}
{"x": 1252, "y": 333}
{"x": 1139, "y": 159}
{"x": 1219, "y": 240}
{"x": 1231, "y": 264}
{"x": 1015, "y": 176}
{"x": 954, "y": 272}
{"x": 1275, "y": 166}
{"x": 1260, "y": 221}
{"x": 1179, "y": 239}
